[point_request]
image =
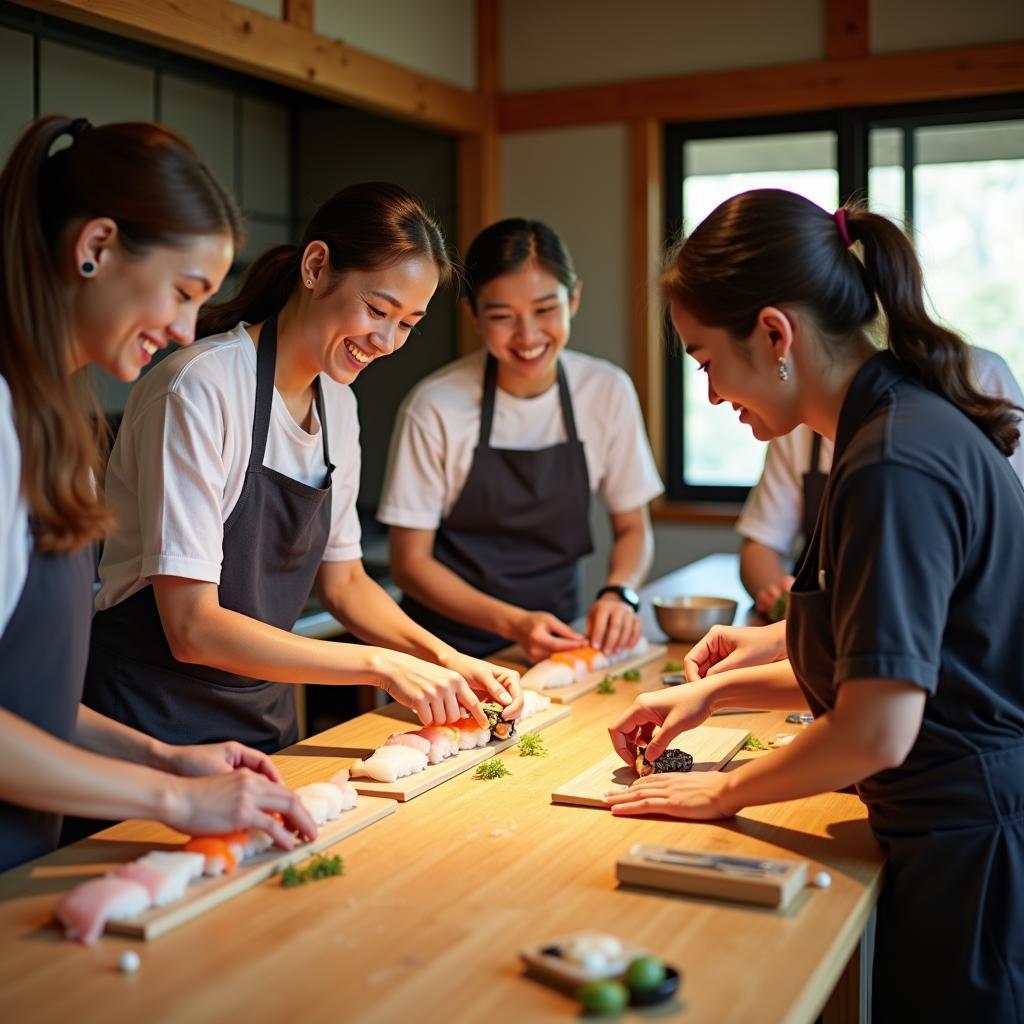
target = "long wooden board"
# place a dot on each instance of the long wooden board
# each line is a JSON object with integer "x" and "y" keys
{"x": 710, "y": 746}
{"x": 413, "y": 786}
{"x": 206, "y": 893}
{"x": 567, "y": 694}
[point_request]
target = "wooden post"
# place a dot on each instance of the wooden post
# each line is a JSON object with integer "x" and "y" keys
{"x": 299, "y": 13}
{"x": 646, "y": 204}
{"x": 478, "y": 172}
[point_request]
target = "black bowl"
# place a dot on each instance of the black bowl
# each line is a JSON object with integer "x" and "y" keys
{"x": 660, "y": 993}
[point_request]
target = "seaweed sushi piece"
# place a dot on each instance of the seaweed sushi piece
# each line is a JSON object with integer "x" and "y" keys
{"x": 670, "y": 761}
{"x": 500, "y": 729}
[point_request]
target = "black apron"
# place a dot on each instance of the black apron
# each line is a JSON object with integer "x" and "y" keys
{"x": 518, "y": 529}
{"x": 813, "y": 483}
{"x": 274, "y": 540}
{"x": 950, "y": 908}
{"x": 43, "y": 652}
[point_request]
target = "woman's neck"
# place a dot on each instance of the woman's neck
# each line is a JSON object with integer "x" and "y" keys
{"x": 294, "y": 372}
{"x": 832, "y": 384}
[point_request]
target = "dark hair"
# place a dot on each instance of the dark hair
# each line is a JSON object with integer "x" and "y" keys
{"x": 769, "y": 247}
{"x": 366, "y": 227}
{"x": 152, "y": 184}
{"x": 510, "y": 244}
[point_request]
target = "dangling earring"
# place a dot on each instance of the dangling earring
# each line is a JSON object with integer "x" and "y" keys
{"x": 88, "y": 268}
{"x": 783, "y": 370}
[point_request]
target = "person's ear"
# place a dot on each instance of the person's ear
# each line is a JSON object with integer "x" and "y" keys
{"x": 93, "y": 246}
{"x": 574, "y": 297}
{"x": 316, "y": 260}
{"x": 777, "y": 330}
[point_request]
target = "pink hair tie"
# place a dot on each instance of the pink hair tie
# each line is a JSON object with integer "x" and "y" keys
{"x": 840, "y": 219}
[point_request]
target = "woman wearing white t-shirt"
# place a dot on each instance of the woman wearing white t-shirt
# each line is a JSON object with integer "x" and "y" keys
{"x": 495, "y": 459}
{"x": 110, "y": 245}
{"x": 235, "y": 474}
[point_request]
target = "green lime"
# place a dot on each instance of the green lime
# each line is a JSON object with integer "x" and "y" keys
{"x": 603, "y": 996}
{"x": 645, "y": 972}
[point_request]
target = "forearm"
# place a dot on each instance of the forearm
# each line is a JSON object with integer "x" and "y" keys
{"x": 44, "y": 773}
{"x": 770, "y": 687}
{"x": 631, "y": 556}
{"x": 104, "y": 736}
{"x": 760, "y": 566}
{"x": 428, "y": 581}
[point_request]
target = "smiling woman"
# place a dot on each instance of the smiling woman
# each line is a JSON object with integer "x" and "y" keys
{"x": 236, "y": 472}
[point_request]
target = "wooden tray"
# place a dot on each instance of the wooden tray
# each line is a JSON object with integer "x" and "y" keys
{"x": 412, "y": 786}
{"x": 567, "y": 694}
{"x": 206, "y": 893}
{"x": 710, "y": 746}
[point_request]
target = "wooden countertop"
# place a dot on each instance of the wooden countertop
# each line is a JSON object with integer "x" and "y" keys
{"x": 437, "y": 899}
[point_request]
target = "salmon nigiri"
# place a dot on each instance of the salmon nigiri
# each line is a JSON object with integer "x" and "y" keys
{"x": 220, "y": 857}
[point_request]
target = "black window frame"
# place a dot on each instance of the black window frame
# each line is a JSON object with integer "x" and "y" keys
{"x": 852, "y": 128}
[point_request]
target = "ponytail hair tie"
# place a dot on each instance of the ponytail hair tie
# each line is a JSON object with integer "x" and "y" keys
{"x": 840, "y": 218}
{"x": 79, "y": 125}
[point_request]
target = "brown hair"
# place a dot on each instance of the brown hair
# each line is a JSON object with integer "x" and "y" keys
{"x": 366, "y": 227}
{"x": 151, "y": 183}
{"x": 769, "y": 247}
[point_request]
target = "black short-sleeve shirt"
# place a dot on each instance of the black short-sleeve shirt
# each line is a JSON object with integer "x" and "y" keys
{"x": 916, "y": 568}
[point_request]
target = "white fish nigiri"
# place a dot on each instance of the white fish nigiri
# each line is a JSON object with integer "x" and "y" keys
{"x": 388, "y": 764}
{"x": 533, "y": 703}
{"x": 85, "y": 910}
{"x": 187, "y": 866}
{"x": 316, "y": 805}
{"x": 409, "y": 739}
{"x": 339, "y": 777}
{"x": 330, "y": 793}
{"x": 548, "y": 675}
{"x": 163, "y": 886}
{"x": 349, "y": 796}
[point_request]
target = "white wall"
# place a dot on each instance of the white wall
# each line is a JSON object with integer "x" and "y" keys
{"x": 902, "y": 25}
{"x": 437, "y": 37}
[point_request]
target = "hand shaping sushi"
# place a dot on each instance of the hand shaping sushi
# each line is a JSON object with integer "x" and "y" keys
{"x": 85, "y": 910}
{"x": 388, "y": 764}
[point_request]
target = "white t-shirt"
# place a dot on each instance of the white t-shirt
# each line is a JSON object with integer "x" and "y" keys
{"x": 15, "y": 535}
{"x": 773, "y": 512}
{"x": 439, "y": 425}
{"x": 179, "y": 463}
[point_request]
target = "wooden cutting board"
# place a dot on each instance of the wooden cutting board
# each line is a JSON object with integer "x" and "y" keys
{"x": 567, "y": 694}
{"x": 710, "y": 746}
{"x": 412, "y": 786}
{"x": 206, "y": 893}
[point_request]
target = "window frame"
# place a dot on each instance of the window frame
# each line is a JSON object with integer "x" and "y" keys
{"x": 852, "y": 127}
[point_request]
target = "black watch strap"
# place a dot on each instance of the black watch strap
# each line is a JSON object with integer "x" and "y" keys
{"x": 626, "y": 594}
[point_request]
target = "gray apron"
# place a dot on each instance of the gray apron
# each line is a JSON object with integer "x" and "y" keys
{"x": 42, "y": 664}
{"x": 518, "y": 529}
{"x": 274, "y": 540}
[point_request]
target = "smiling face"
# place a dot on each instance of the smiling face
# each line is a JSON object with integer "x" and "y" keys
{"x": 364, "y": 315}
{"x": 524, "y": 319}
{"x": 134, "y": 305}
{"x": 746, "y": 376}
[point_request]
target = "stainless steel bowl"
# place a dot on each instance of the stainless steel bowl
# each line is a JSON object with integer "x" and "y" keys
{"x": 689, "y": 617}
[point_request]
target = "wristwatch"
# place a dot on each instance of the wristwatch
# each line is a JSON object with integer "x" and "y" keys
{"x": 627, "y": 594}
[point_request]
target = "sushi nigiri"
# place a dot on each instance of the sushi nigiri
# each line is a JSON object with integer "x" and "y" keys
{"x": 443, "y": 740}
{"x": 409, "y": 739}
{"x": 219, "y": 857}
{"x": 163, "y": 886}
{"x": 388, "y": 764}
{"x": 85, "y": 910}
{"x": 573, "y": 660}
{"x": 349, "y": 796}
{"x": 339, "y": 777}
{"x": 330, "y": 793}
{"x": 533, "y": 703}
{"x": 187, "y": 866}
{"x": 316, "y": 805}
{"x": 471, "y": 735}
{"x": 548, "y": 675}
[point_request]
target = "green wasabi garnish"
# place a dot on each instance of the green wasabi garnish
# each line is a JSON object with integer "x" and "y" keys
{"x": 753, "y": 743}
{"x": 631, "y": 675}
{"x": 672, "y": 666}
{"x": 492, "y": 769}
{"x": 319, "y": 867}
{"x": 607, "y": 685}
{"x": 532, "y": 745}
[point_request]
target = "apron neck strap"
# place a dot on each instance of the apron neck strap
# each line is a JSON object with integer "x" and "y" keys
{"x": 490, "y": 390}
{"x": 815, "y": 453}
{"x": 320, "y": 411}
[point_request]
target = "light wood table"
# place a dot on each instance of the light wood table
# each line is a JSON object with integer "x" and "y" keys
{"x": 437, "y": 898}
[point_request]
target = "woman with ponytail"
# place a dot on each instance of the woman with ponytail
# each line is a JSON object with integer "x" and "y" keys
{"x": 108, "y": 246}
{"x": 905, "y": 631}
{"x": 235, "y": 476}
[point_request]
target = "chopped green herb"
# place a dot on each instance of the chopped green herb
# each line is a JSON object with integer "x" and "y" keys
{"x": 631, "y": 675}
{"x": 672, "y": 666}
{"x": 779, "y": 609}
{"x": 319, "y": 867}
{"x": 532, "y": 745}
{"x": 607, "y": 685}
{"x": 753, "y": 743}
{"x": 492, "y": 769}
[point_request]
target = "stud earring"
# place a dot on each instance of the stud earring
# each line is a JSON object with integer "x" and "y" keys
{"x": 88, "y": 268}
{"x": 783, "y": 370}
{"x": 309, "y": 282}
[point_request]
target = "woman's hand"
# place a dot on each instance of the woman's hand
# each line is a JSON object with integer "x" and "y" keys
{"x": 612, "y": 625}
{"x": 215, "y": 759}
{"x": 541, "y": 633}
{"x": 234, "y": 801}
{"x": 699, "y": 796}
{"x": 657, "y": 717}
{"x": 497, "y": 682}
{"x": 767, "y": 596}
{"x": 727, "y": 647}
{"x": 434, "y": 692}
